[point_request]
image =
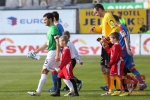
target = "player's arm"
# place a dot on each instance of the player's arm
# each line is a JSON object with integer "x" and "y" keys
{"x": 115, "y": 56}
{"x": 65, "y": 59}
{"x": 57, "y": 49}
{"x": 41, "y": 48}
{"x": 96, "y": 29}
{"x": 60, "y": 28}
{"x": 124, "y": 35}
{"x": 78, "y": 56}
{"x": 128, "y": 46}
{"x": 55, "y": 33}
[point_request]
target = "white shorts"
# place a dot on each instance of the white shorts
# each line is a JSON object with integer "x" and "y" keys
{"x": 50, "y": 63}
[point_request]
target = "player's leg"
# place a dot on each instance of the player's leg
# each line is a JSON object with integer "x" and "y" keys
{"x": 69, "y": 84}
{"x": 105, "y": 76}
{"x": 118, "y": 86}
{"x": 53, "y": 64}
{"x": 54, "y": 79}
{"x": 124, "y": 81}
{"x": 125, "y": 71}
{"x": 73, "y": 61}
{"x": 119, "y": 67}
{"x": 69, "y": 72}
{"x": 136, "y": 73}
{"x": 40, "y": 84}
{"x": 104, "y": 61}
{"x": 46, "y": 68}
{"x": 104, "y": 71}
{"x": 111, "y": 86}
{"x": 78, "y": 82}
{"x": 138, "y": 77}
{"x": 57, "y": 92}
{"x": 42, "y": 80}
{"x": 75, "y": 87}
{"x": 49, "y": 65}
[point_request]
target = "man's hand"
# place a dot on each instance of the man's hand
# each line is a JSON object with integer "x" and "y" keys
{"x": 91, "y": 29}
{"x": 81, "y": 63}
{"x": 129, "y": 52}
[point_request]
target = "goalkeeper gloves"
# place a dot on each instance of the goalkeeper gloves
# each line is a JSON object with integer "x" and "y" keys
{"x": 32, "y": 55}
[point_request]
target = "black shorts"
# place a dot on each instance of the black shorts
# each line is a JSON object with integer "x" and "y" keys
{"x": 105, "y": 57}
{"x": 126, "y": 70}
{"x": 73, "y": 62}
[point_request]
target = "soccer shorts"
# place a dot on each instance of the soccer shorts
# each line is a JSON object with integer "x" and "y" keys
{"x": 105, "y": 57}
{"x": 128, "y": 60}
{"x": 50, "y": 63}
{"x": 73, "y": 61}
{"x": 66, "y": 72}
{"x": 117, "y": 69}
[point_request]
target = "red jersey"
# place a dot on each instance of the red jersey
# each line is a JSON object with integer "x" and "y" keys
{"x": 116, "y": 59}
{"x": 65, "y": 65}
{"x": 65, "y": 58}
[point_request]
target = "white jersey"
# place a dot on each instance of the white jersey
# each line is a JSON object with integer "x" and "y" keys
{"x": 74, "y": 52}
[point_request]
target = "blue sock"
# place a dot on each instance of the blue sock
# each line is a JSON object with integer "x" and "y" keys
{"x": 54, "y": 78}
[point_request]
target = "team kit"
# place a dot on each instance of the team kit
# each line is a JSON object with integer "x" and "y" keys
{"x": 116, "y": 57}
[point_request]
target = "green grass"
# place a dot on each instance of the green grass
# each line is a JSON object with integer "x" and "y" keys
{"x": 18, "y": 75}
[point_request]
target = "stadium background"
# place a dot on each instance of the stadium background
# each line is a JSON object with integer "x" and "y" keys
{"x": 22, "y": 24}
{"x": 22, "y": 30}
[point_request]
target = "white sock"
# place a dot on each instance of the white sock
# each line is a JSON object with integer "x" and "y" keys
{"x": 41, "y": 83}
{"x": 69, "y": 84}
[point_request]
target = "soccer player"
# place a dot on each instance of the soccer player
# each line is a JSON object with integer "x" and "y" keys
{"x": 61, "y": 30}
{"x": 107, "y": 27}
{"x": 65, "y": 69}
{"x": 74, "y": 56}
{"x": 116, "y": 64}
{"x": 128, "y": 55}
{"x": 52, "y": 59}
{"x": 56, "y": 22}
{"x": 121, "y": 20}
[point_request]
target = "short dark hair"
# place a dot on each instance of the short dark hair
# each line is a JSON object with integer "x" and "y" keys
{"x": 49, "y": 15}
{"x": 115, "y": 35}
{"x": 67, "y": 33}
{"x": 116, "y": 18}
{"x": 56, "y": 15}
{"x": 97, "y": 6}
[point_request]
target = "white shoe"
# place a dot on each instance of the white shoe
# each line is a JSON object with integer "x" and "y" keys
{"x": 33, "y": 93}
{"x": 105, "y": 94}
{"x": 69, "y": 94}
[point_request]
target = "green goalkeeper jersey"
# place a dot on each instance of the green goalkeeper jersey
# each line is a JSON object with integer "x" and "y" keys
{"x": 51, "y": 43}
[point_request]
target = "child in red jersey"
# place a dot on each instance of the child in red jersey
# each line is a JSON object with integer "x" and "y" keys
{"x": 116, "y": 63}
{"x": 65, "y": 70}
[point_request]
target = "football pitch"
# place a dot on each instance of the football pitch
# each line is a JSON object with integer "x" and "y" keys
{"x": 18, "y": 75}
